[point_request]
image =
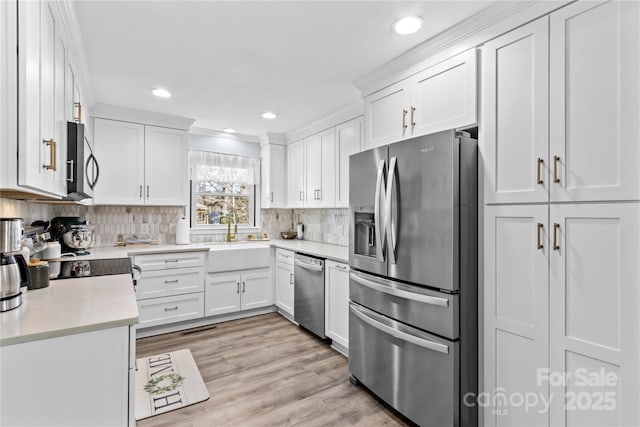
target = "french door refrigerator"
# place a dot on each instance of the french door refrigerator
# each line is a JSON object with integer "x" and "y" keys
{"x": 413, "y": 281}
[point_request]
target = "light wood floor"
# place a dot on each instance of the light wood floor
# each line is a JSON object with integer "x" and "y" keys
{"x": 265, "y": 371}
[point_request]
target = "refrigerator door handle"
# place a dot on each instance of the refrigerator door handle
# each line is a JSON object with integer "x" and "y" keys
{"x": 427, "y": 299}
{"x": 404, "y": 336}
{"x": 391, "y": 218}
{"x": 380, "y": 184}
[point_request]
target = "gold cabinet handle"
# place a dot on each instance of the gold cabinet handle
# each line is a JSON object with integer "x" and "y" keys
{"x": 413, "y": 122}
{"x": 540, "y": 163}
{"x": 78, "y": 106}
{"x": 556, "y": 226}
{"x": 140, "y": 194}
{"x": 302, "y": 196}
{"x": 556, "y": 159}
{"x": 404, "y": 119}
{"x": 319, "y": 194}
{"x": 272, "y": 196}
{"x": 147, "y": 191}
{"x": 51, "y": 143}
{"x": 540, "y": 227}
{"x": 290, "y": 279}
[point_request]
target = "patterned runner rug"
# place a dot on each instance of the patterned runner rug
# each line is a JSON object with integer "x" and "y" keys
{"x": 167, "y": 381}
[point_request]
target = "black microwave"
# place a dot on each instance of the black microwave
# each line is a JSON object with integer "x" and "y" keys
{"x": 82, "y": 166}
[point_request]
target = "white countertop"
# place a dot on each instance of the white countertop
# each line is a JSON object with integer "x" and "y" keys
{"x": 322, "y": 250}
{"x": 69, "y": 307}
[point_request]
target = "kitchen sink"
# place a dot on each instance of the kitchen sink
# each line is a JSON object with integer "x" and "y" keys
{"x": 235, "y": 256}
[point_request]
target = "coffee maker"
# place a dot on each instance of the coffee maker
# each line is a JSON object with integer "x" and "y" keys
{"x": 13, "y": 267}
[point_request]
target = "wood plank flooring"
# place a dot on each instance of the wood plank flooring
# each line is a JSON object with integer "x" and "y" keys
{"x": 265, "y": 371}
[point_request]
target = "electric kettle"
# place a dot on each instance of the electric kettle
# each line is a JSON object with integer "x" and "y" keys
{"x": 13, "y": 267}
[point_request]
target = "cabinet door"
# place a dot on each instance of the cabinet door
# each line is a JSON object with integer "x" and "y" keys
{"x": 165, "y": 166}
{"x": 295, "y": 175}
{"x": 595, "y": 131}
{"x": 516, "y": 287}
{"x": 337, "y": 302}
{"x": 273, "y": 176}
{"x": 516, "y": 109}
{"x": 256, "y": 290}
{"x": 312, "y": 170}
{"x": 444, "y": 96}
{"x": 119, "y": 148}
{"x": 327, "y": 191}
{"x": 285, "y": 287}
{"x": 594, "y": 276}
{"x": 222, "y": 294}
{"x": 348, "y": 142}
{"x": 59, "y": 175}
{"x": 386, "y": 115}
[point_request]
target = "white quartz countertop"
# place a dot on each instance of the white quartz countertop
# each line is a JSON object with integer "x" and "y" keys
{"x": 70, "y": 306}
{"x": 322, "y": 250}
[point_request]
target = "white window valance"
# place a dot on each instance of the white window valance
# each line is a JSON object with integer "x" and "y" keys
{"x": 208, "y": 166}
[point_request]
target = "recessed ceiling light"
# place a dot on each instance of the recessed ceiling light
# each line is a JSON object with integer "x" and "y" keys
{"x": 161, "y": 93}
{"x": 229, "y": 130}
{"x": 407, "y": 25}
{"x": 269, "y": 115}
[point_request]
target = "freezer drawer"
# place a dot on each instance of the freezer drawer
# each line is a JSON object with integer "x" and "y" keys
{"x": 433, "y": 311}
{"x": 411, "y": 370}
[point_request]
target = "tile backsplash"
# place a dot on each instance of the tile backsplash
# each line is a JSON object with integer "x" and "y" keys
{"x": 320, "y": 225}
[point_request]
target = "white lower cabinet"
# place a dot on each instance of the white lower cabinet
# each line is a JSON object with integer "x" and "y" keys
{"x": 170, "y": 288}
{"x": 74, "y": 380}
{"x": 160, "y": 311}
{"x": 236, "y": 291}
{"x": 337, "y": 302}
{"x": 561, "y": 318}
{"x": 285, "y": 281}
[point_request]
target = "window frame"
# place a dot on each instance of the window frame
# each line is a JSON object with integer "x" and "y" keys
{"x": 253, "y": 217}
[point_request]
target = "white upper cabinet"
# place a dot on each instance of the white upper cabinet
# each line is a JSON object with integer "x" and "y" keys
{"x": 273, "y": 176}
{"x": 140, "y": 164}
{"x": 516, "y": 115}
{"x": 165, "y": 166}
{"x": 438, "y": 98}
{"x": 385, "y": 114}
{"x": 348, "y": 142}
{"x": 595, "y": 107}
{"x": 119, "y": 148}
{"x": 41, "y": 93}
{"x": 295, "y": 175}
{"x": 444, "y": 96}
{"x": 320, "y": 169}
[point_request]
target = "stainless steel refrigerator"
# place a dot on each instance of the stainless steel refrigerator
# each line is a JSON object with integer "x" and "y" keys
{"x": 413, "y": 282}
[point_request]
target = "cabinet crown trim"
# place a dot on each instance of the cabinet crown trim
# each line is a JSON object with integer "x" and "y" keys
{"x": 113, "y": 112}
{"x": 343, "y": 115}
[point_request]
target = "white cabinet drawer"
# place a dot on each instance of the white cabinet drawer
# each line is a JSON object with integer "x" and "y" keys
{"x": 160, "y": 311}
{"x": 162, "y": 283}
{"x": 169, "y": 260}
{"x": 285, "y": 256}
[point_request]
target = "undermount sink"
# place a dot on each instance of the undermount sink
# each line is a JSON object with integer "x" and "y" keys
{"x": 233, "y": 256}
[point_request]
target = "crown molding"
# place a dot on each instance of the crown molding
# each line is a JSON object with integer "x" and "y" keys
{"x": 224, "y": 135}
{"x": 344, "y": 114}
{"x": 72, "y": 25}
{"x": 114, "y": 112}
{"x": 271, "y": 138}
{"x": 489, "y": 23}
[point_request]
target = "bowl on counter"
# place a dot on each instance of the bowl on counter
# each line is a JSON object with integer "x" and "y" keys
{"x": 288, "y": 234}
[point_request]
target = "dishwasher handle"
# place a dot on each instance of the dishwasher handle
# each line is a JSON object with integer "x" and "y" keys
{"x": 307, "y": 266}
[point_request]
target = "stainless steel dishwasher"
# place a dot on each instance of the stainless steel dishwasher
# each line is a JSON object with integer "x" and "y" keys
{"x": 309, "y": 293}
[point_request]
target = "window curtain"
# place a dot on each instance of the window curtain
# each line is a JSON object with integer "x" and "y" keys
{"x": 208, "y": 166}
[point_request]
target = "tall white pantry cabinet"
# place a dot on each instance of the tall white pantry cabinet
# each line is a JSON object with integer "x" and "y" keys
{"x": 562, "y": 219}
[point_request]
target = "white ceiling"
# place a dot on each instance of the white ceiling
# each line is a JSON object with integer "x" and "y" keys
{"x": 226, "y": 62}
